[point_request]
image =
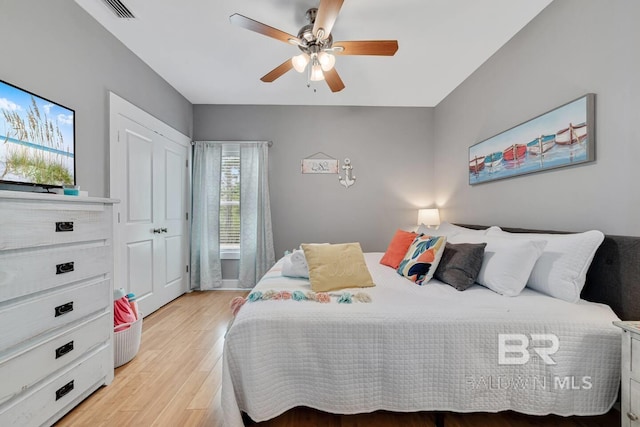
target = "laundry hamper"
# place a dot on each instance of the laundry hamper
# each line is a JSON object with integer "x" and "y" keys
{"x": 126, "y": 342}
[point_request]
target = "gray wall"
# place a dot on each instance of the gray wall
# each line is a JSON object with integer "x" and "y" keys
{"x": 56, "y": 50}
{"x": 391, "y": 153}
{"x": 230, "y": 269}
{"x": 571, "y": 48}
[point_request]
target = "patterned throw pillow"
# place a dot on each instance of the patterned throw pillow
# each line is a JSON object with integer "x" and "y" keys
{"x": 422, "y": 258}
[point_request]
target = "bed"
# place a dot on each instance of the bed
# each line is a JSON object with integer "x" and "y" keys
{"x": 431, "y": 348}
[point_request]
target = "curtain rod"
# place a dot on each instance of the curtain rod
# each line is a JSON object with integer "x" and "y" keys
{"x": 269, "y": 143}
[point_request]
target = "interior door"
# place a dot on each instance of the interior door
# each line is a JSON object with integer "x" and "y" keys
{"x": 139, "y": 238}
{"x": 170, "y": 199}
{"x": 151, "y": 181}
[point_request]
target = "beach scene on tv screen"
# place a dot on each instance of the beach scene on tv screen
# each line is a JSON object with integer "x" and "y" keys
{"x": 36, "y": 139}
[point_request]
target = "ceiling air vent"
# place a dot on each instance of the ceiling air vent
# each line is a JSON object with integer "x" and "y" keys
{"x": 119, "y": 9}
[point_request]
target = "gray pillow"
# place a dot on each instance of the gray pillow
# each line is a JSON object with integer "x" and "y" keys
{"x": 460, "y": 264}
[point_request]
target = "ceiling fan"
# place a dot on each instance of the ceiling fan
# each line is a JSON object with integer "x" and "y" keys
{"x": 317, "y": 45}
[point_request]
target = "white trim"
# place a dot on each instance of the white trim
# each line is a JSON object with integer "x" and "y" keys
{"x": 220, "y": 289}
{"x": 120, "y": 105}
{"x": 269, "y": 143}
{"x": 230, "y": 284}
{"x": 233, "y": 254}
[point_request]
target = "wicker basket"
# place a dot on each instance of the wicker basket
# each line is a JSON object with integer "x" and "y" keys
{"x": 126, "y": 342}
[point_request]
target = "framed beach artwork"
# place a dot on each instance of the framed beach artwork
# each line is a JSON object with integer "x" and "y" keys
{"x": 564, "y": 136}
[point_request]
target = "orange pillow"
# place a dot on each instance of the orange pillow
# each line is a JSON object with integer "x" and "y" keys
{"x": 398, "y": 248}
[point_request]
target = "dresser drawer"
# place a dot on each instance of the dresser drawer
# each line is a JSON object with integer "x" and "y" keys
{"x": 33, "y": 316}
{"x": 23, "y": 272}
{"x": 26, "y": 368}
{"x": 25, "y": 224}
{"x": 50, "y": 397}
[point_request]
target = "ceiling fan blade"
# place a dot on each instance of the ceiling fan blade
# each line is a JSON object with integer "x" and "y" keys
{"x": 326, "y": 17}
{"x": 277, "y": 72}
{"x": 259, "y": 27}
{"x": 367, "y": 47}
{"x": 333, "y": 80}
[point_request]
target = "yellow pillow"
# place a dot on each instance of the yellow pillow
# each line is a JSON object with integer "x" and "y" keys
{"x": 338, "y": 266}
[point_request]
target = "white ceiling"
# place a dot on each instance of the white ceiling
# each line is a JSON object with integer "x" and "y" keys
{"x": 194, "y": 47}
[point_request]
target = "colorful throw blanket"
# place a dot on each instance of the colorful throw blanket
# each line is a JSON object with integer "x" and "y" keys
{"x": 322, "y": 297}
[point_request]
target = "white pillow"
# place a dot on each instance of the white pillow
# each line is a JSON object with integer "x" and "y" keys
{"x": 562, "y": 268}
{"x": 507, "y": 263}
{"x": 447, "y": 229}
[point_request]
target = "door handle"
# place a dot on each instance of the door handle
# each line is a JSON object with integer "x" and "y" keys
{"x": 157, "y": 231}
{"x": 164, "y": 230}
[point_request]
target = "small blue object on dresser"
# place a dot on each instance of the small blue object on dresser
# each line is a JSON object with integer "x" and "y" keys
{"x": 71, "y": 190}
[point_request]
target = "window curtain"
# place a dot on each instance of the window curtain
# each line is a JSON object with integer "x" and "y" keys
{"x": 206, "y": 269}
{"x": 256, "y": 236}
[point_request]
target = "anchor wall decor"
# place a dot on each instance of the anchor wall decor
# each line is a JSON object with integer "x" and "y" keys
{"x": 348, "y": 179}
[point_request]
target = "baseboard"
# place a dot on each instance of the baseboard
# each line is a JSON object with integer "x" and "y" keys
{"x": 228, "y": 284}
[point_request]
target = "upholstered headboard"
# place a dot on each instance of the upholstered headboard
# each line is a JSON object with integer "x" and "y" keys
{"x": 614, "y": 275}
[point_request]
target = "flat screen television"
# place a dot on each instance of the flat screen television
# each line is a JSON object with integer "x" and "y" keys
{"x": 37, "y": 140}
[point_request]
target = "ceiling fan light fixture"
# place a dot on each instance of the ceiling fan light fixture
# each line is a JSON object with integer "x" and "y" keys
{"x": 300, "y": 62}
{"x": 315, "y": 41}
{"x": 316, "y": 73}
{"x": 327, "y": 61}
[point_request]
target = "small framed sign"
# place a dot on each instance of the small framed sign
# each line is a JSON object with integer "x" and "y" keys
{"x": 311, "y": 165}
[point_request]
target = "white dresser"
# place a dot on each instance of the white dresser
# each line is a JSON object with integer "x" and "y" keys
{"x": 630, "y": 396}
{"x": 56, "y": 325}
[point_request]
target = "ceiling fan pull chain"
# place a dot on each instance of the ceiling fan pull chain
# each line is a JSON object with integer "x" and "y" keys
{"x": 309, "y": 79}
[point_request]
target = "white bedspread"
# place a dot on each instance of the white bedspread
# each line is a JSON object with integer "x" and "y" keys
{"x": 416, "y": 349}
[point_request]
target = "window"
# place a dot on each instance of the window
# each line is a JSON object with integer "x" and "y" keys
{"x": 230, "y": 202}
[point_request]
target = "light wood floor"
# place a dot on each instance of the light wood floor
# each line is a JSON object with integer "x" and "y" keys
{"x": 175, "y": 381}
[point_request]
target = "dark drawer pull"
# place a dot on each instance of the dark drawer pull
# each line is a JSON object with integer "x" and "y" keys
{"x": 64, "y": 309}
{"x": 66, "y": 267}
{"x": 64, "y": 390}
{"x": 61, "y": 351}
{"x": 64, "y": 226}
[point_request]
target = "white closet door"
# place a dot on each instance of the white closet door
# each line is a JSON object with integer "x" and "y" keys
{"x": 150, "y": 177}
{"x": 137, "y": 242}
{"x": 170, "y": 200}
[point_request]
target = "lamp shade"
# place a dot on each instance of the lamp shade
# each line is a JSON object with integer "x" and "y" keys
{"x": 316, "y": 73}
{"x": 327, "y": 61}
{"x": 300, "y": 62}
{"x": 428, "y": 217}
